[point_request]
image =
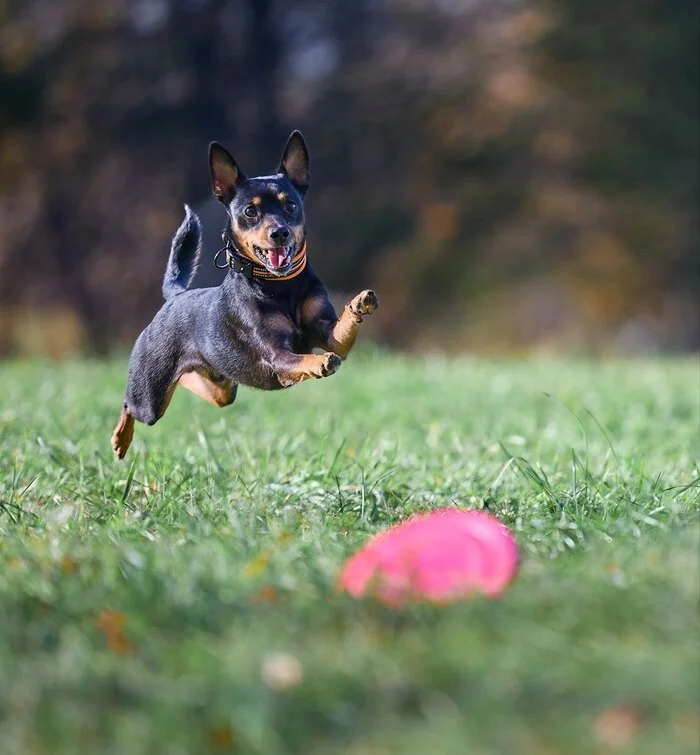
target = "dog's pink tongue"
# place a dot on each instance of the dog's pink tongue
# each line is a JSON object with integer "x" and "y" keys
{"x": 277, "y": 257}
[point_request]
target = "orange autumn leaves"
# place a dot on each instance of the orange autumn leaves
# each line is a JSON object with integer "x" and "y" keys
{"x": 113, "y": 624}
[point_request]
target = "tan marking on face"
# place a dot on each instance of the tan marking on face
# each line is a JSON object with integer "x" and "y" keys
{"x": 259, "y": 235}
{"x": 282, "y": 196}
{"x": 298, "y": 236}
{"x": 245, "y": 240}
{"x": 257, "y": 201}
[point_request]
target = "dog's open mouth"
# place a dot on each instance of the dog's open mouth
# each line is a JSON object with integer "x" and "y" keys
{"x": 277, "y": 259}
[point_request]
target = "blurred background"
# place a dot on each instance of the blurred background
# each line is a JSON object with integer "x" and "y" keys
{"x": 509, "y": 175}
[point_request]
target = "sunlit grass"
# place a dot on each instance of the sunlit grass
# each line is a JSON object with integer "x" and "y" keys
{"x": 140, "y": 601}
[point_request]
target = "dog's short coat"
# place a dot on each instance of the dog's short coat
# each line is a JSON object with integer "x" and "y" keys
{"x": 257, "y": 328}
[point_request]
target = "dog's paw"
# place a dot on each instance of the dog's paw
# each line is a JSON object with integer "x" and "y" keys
{"x": 123, "y": 435}
{"x": 330, "y": 363}
{"x": 364, "y": 303}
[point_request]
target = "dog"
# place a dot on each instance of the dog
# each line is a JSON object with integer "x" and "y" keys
{"x": 260, "y": 326}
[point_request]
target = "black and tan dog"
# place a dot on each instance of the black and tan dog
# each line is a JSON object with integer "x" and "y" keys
{"x": 260, "y": 326}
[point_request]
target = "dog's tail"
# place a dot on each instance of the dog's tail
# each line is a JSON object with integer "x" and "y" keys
{"x": 184, "y": 255}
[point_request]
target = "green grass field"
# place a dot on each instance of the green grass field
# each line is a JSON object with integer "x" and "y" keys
{"x": 144, "y": 605}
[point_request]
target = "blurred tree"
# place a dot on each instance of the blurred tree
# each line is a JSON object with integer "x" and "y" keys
{"x": 630, "y": 73}
{"x": 505, "y": 173}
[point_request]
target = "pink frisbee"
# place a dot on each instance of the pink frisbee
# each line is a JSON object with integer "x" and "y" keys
{"x": 442, "y": 556}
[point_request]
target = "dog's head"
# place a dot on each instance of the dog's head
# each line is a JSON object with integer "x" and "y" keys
{"x": 266, "y": 213}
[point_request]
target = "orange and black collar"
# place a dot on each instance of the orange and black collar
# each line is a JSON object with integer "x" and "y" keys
{"x": 250, "y": 269}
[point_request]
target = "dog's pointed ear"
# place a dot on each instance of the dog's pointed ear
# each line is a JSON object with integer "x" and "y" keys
{"x": 295, "y": 162}
{"x": 226, "y": 176}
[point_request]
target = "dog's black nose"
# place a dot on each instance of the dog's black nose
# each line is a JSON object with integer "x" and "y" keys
{"x": 280, "y": 234}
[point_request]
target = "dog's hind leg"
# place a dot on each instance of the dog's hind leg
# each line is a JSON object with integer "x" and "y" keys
{"x": 124, "y": 431}
{"x": 148, "y": 392}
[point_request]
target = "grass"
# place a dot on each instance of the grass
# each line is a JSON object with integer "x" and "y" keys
{"x": 183, "y": 601}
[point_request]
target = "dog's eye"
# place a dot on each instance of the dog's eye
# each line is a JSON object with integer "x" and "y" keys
{"x": 251, "y": 211}
{"x": 291, "y": 207}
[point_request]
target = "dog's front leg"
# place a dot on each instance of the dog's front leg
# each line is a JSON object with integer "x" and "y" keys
{"x": 293, "y": 368}
{"x": 342, "y": 337}
{"x": 336, "y": 334}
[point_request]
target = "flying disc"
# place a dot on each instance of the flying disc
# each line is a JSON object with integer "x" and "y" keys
{"x": 442, "y": 556}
